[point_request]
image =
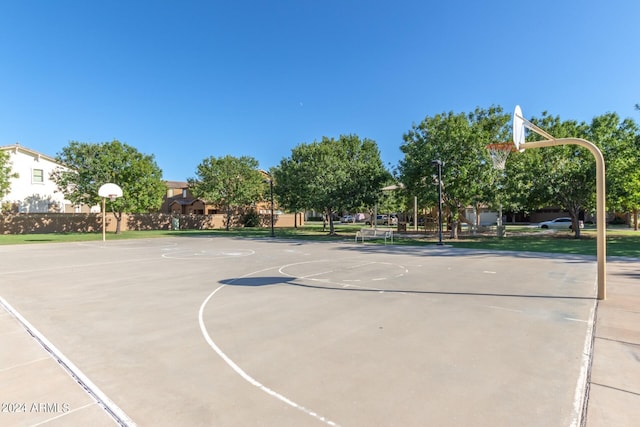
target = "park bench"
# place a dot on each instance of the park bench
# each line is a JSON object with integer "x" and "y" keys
{"x": 375, "y": 233}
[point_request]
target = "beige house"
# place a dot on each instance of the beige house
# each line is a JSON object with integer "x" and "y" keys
{"x": 179, "y": 200}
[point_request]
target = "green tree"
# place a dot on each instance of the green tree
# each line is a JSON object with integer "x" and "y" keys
{"x": 92, "y": 165}
{"x": 458, "y": 140}
{"x": 563, "y": 176}
{"x": 331, "y": 175}
{"x": 5, "y": 173}
{"x": 229, "y": 182}
{"x": 620, "y": 142}
{"x": 289, "y": 178}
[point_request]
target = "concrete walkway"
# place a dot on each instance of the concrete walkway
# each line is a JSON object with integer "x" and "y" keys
{"x": 614, "y": 385}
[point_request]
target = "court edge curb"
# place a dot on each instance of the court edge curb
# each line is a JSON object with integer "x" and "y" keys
{"x": 87, "y": 385}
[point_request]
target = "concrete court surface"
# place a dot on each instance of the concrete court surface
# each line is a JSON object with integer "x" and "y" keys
{"x": 217, "y": 331}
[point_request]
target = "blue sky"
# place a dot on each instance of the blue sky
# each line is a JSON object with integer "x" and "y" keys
{"x": 185, "y": 80}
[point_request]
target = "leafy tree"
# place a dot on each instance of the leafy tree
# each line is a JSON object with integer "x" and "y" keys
{"x": 620, "y": 142}
{"x": 92, "y": 165}
{"x": 5, "y": 173}
{"x": 229, "y": 182}
{"x": 331, "y": 175}
{"x": 563, "y": 176}
{"x": 289, "y": 177}
{"x": 458, "y": 140}
{"x": 392, "y": 200}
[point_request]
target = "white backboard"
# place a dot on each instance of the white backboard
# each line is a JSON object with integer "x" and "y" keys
{"x": 518, "y": 128}
{"x": 109, "y": 190}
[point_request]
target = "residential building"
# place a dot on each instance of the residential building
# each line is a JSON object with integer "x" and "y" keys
{"x": 179, "y": 200}
{"x": 32, "y": 190}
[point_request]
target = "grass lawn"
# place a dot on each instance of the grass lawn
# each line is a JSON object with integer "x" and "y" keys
{"x": 620, "y": 241}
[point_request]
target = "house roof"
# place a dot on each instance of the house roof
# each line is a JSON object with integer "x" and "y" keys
{"x": 182, "y": 202}
{"x": 19, "y": 148}
{"x": 176, "y": 184}
{"x": 186, "y": 202}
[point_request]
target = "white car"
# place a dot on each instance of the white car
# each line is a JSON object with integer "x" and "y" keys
{"x": 564, "y": 222}
{"x": 384, "y": 220}
{"x": 348, "y": 218}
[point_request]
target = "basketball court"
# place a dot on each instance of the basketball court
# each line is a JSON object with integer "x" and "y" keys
{"x": 260, "y": 332}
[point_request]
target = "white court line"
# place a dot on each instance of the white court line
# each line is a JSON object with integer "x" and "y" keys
{"x": 575, "y": 320}
{"x": 361, "y": 265}
{"x": 121, "y": 245}
{"x": 504, "y": 308}
{"x": 183, "y": 254}
{"x": 79, "y": 266}
{"x": 316, "y": 274}
{"x": 238, "y": 370}
{"x": 310, "y": 276}
{"x": 342, "y": 283}
{"x": 581, "y": 385}
{"x": 19, "y": 365}
{"x": 107, "y": 404}
{"x": 63, "y": 415}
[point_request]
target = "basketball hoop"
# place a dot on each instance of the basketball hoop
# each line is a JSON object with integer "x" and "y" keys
{"x": 499, "y": 151}
{"x": 111, "y": 191}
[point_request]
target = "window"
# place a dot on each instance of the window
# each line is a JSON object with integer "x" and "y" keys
{"x": 184, "y": 193}
{"x": 37, "y": 176}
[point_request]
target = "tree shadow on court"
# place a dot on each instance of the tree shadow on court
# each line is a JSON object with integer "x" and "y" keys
{"x": 257, "y": 281}
{"x": 292, "y": 281}
{"x": 437, "y": 292}
{"x": 450, "y": 251}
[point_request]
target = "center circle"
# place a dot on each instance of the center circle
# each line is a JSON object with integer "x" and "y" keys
{"x": 361, "y": 273}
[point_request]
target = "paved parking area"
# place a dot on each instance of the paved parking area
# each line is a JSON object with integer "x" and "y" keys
{"x": 227, "y": 332}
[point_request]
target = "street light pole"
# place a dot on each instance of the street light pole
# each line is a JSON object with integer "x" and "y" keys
{"x": 271, "y": 188}
{"x": 270, "y": 181}
{"x": 439, "y": 164}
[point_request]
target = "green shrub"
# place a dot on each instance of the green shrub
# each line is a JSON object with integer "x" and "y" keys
{"x": 617, "y": 221}
{"x": 251, "y": 219}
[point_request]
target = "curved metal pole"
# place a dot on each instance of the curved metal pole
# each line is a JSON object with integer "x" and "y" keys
{"x": 440, "y": 203}
{"x": 601, "y": 223}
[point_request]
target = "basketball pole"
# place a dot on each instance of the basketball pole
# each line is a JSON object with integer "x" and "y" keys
{"x": 601, "y": 223}
{"x": 104, "y": 237}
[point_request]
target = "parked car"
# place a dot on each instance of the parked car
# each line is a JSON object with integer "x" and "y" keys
{"x": 563, "y": 222}
{"x": 348, "y": 218}
{"x": 384, "y": 220}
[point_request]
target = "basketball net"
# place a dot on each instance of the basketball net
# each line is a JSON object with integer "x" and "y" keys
{"x": 499, "y": 152}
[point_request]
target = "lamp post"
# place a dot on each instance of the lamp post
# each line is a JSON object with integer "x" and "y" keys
{"x": 439, "y": 164}
{"x": 270, "y": 181}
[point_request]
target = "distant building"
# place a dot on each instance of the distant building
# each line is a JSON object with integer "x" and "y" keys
{"x": 33, "y": 191}
{"x": 179, "y": 200}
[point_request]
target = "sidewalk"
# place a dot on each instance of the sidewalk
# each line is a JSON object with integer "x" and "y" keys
{"x": 614, "y": 384}
{"x": 35, "y": 389}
